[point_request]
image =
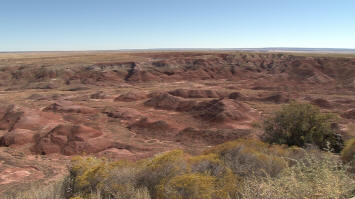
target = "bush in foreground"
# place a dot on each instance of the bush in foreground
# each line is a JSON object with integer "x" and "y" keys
{"x": 299, "y": 124}
{"x": 311, "y": 177}
{"x": 348, "y": 153}
{"x": 188, "y": 186}
{"x": 55, "y": 190}
{"x": 248, "y": 157}
{"x": 161, "y": 168}
{"x": 241, "y": 169}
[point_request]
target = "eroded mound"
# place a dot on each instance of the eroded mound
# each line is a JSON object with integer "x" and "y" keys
{"x": 349, "y": 114}
{"x": 17, "y": 137}
{"x": 68, "y": 108}
{"x": 21, "y": 125}
{"x": 122, "y": 113}
{"x": 169, "y": 102}
{"x": 221, "y": 110}
{"x": 36, "y": 97}
{"x": 98, "y": 95}
{"x": 71, "y": 139}
{"x": 9, "y": 117}
{"x": 131, "y": 96}
{"x": 276, "y": 98}
{"x": 323, "y": 103}
{"x": 114, "y": 153}
{"x": 186, "y": 93}
{"x": 153, "y": 129}
{"x": 19, "y": 119}
{"x": 237, "y": 96}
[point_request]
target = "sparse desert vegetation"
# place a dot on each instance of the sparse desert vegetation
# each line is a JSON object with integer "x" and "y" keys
{"x": 241, "y": 169}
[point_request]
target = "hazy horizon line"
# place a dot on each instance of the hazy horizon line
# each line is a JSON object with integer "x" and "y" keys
{"x": 300, "y": 49}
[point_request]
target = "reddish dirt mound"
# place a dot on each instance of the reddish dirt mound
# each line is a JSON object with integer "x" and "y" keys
{"x": 321, "y": 103}
{"x": 122, "y": 113}
{"x": 237, "y": 96}
{"x": 320, "y": 78}
{"x": 9, "y": 117}
{"x": 186, "y": 93}
{"x": 61, "y": 108}
{"x": 15, "y": 117}
{"x": 137, "y": 74}
{"x": 156, "y": 129}
{"x": 131, "y": 96}
{"x": 276, "y": 98}
{"x": 18, "y": 174}
{"x": 36, "y": 97}
{"x": 17, "y": 137}
{"x": 170, "y": 102}
{"x": 37, "y": 120}
{"x": 114, "y": 153}
{"x": 71, "y": 139}
{"x": 349, "y": 114}
{"x": 221, "y": 110}
{"x": 98, "y": 95}
{"x": 212, "y": 137}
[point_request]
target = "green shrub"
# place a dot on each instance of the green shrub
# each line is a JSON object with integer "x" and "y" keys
{"x": 300, "y": 124}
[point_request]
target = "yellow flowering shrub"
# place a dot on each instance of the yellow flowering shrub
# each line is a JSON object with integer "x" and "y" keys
{"x": 248, "y": 156}
{"x": 188, "y": 186}
{"x": 226, "y": 182}
{"x": 161, "y": 168}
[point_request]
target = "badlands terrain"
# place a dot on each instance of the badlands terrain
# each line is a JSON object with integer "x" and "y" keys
{"x": 132, "y": 105}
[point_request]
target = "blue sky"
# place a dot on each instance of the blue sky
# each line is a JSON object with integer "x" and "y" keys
{"x": 37, "y": 25}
